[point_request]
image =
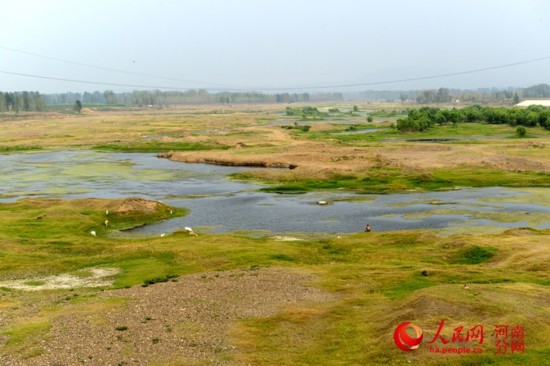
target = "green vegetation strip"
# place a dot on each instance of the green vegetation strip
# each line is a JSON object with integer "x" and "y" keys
{"x": 18, "y": 148}
{"x": 155, "y": 146}
{"x": 392, "y": 180}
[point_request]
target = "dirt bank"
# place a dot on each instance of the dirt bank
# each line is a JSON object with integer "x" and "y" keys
{"x": 267, "y": 162}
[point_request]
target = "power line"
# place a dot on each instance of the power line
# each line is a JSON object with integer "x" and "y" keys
{"x": 291, "y": 88}
{"x": 433, "y": 76}
{"x": 106, "y": 68}
{"x": 88, "y": 82}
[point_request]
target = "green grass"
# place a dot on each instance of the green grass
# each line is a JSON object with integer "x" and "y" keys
{"x": 18, "y": 148}
{"x": 475, "y": 255}
{"x": 24, "y": 336}
{"x": 155, "y": 146}
{"x": 35, "y": 283}
{"x": 373, "y": 282}
{"x": 460, "y": 133}
{"x": 391, "y": 180}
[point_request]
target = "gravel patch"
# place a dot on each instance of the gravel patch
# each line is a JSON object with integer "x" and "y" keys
{"x": 178, "y": 323}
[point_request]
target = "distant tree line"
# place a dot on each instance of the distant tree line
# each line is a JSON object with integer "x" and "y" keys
{"x": 427, "y": 117}
{"x": 21, "y": 101}
{"x": 144, "y": 98}
{"x": 34, "y": 101}
{"x": 445, "y": 95}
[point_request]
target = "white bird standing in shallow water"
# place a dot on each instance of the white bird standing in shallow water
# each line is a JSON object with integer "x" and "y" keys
{"x": 92, "y": 233}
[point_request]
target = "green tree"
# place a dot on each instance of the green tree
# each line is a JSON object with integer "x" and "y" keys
{"x": 78, "y": 106}
{"x": 110, "y": 97}
{"x": 516, "y": 98}
{"x": 443, "y": 96}
{"x": 521, "y": 131}
{"x": 440, "y": 118}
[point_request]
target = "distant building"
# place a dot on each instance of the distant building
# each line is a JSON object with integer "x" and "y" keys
{"x": 528, "y": 102}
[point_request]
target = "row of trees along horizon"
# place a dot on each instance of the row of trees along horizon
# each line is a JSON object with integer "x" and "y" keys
{"x": 34, "y": 101}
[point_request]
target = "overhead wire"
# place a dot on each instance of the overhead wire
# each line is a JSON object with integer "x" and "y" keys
{"x": 106, "y": 68}
{"x": 307, "y": 87}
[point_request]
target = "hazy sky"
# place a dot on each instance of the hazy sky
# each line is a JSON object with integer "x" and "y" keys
{"x": 272, "y": 44}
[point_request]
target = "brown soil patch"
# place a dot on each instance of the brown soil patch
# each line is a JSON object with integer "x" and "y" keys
{"x": 129, "y": 205}
{"x": 320, "y": 159}
{"x": 310, "y": 159}
{"x": 516, "y": 164}
{"x": 185, "y": 322}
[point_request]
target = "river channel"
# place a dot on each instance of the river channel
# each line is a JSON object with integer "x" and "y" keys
{"x": 219, "y": 204}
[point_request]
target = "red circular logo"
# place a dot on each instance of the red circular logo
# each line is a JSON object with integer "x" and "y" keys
{"x": 405, "y": 341}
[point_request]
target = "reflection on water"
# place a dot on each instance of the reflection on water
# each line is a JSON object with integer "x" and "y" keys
{"x": 222, "y": 204}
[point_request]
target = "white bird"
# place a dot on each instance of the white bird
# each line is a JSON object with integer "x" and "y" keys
{"x": 92, "y": 233}
{"x": 106, "y": 222}
{"x": 171, "y": 212}
{"x": 466, "y": 287}
{"x": 322, "y": 203}
{"x": 107, "y": 212}
{"x": 162, "y": 235}
{"x": 190, "y": 231}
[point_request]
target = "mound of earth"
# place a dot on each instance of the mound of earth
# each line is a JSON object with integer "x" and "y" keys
{"x": 132, "y": 205}
{"x": 265, "y": 162}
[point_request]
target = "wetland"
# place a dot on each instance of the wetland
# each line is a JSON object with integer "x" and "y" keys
{"x": 96, "y": 265}
{"x": 218, "y": 203}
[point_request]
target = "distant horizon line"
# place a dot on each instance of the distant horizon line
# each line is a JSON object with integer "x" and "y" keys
{"x": 285, "y": 91}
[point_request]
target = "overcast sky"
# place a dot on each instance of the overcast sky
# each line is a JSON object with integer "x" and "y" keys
{"x": 262, "y": 44}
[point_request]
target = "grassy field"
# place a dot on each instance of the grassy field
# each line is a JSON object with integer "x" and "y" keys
{"x": 373, "y": 281}
{"x": 375, "y": 277}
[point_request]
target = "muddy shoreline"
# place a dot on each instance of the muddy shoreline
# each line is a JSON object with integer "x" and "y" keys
{"x": 226, "y": 162}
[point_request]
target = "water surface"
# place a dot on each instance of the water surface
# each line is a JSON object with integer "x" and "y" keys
{"x": 220, "y": 204}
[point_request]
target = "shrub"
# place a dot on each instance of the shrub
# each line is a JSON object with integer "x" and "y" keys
{"x": 154, "y": 280}
{"x": 521, "y": 131}
{"x": 476, "y": 255}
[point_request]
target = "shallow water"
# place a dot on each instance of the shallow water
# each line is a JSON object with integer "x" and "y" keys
{"x": 222, "y": 205}
{"x": 359, "y": 132}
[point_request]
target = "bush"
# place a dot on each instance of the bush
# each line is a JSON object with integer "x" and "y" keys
{"x": 152, "y": 281}
{"x": 476, "y": 255}
{"x": 369, "y": 119}
{"x": 521, "y": 131}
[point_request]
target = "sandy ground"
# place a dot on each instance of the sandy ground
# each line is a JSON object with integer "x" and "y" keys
{"x": 180, "y": 323}
{"x": 98, "y": 277}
